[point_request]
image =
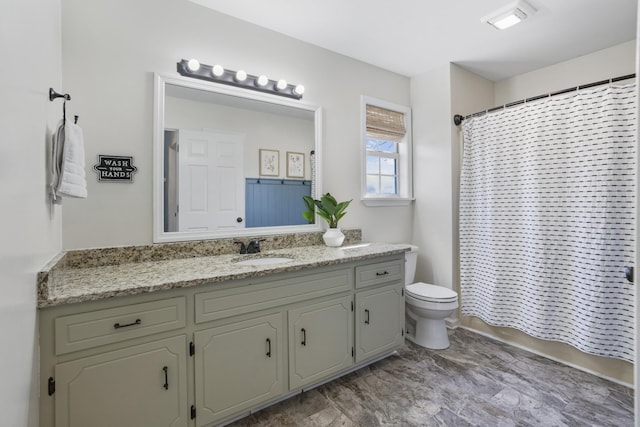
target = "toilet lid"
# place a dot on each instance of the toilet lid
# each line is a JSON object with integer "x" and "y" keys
{"x": 426, "y": 292}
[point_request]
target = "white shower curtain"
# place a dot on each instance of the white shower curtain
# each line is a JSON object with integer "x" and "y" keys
{"x": 547, "y": 219}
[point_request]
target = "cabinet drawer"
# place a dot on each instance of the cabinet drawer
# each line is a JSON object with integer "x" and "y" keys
{"x": 86, "y": 330}
{"x": 382, "y": 272}
{"x": 233, "y": 301}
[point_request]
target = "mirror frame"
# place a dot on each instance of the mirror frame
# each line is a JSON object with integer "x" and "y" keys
{"x": 160, "y": 82}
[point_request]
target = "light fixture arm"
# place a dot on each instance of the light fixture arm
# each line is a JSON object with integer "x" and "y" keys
{"x": 229, "y": 77}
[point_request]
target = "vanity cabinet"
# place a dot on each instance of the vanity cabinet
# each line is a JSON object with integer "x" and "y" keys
{"x": 238, "y": 366}
{"x": 105, "y": 365}
{"x": 379, "y": 313}
{"x": 320, "y": 340}
{"x": 379, "y": 321}
{"x": 143, "y": 385}
{"x": 204, "y": 355}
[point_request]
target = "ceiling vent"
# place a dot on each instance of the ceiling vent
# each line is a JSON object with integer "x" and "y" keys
{"x": 509, "y": 15}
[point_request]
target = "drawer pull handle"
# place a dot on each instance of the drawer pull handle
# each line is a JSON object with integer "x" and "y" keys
{"x": 382, "y": 274}
{"x": 268, "y": 347}
{"x": 366, "y": 311}
{"x": 118, "y": 325}
{"x": 304, "y": 336}
{"x": 166, "y": 378}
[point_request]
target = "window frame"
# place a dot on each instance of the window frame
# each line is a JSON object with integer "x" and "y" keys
{"x": 404, "y": 155}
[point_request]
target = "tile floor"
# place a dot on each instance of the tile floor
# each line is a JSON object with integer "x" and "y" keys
{"x": 475, "y": 382}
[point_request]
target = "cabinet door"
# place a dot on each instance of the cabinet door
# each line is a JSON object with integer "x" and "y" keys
{"x": 140, "y": 386}
{"x": 320, "y": 340}
{"x": 238, "y": 366}
{"x": 379, "y": 321}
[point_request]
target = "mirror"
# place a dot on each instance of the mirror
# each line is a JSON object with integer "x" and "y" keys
{"x": 230, "y": 162}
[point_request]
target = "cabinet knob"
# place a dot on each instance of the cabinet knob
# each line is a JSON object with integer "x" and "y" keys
{"x": 366, "y": 320}
{"x": 268, "y": 347}
{"x": 304, "y": 336}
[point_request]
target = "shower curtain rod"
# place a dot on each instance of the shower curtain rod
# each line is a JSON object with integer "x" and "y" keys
{"x": 457, "y": 119}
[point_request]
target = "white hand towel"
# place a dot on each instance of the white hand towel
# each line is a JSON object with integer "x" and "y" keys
{"x": 56, "y": 161}
{"x": 72, "y": 180}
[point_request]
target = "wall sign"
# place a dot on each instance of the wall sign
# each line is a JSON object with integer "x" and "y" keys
{"x": 115, "y": 168}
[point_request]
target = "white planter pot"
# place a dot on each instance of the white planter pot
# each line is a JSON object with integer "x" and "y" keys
{"x": 333, "y": 237}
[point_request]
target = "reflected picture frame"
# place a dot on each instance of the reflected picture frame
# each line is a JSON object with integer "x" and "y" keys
{"x": 295, "y": 165}
{"x": 269, "y": 162}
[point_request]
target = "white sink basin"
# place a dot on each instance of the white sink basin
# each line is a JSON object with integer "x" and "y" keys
{"x": 264, "y": 261}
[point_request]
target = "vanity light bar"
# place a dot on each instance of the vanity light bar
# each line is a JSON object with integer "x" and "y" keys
{"x": 217, "y": 74}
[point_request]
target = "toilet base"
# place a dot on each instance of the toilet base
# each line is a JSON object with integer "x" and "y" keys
{"x": 428, "y": 333}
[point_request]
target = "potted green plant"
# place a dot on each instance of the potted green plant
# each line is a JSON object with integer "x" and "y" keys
{"x": 329, "y": 209}
{"x": 310, "y": 209}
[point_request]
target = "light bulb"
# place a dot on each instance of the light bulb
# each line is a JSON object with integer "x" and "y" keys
{"x": 298, "y": 90}
{"x": 241, "y": 76}
{"x": 193, "y": 65}
{"x": 217, "y": 70}
{"x": 262, "y": 81}
{"x": 281, "y": 85}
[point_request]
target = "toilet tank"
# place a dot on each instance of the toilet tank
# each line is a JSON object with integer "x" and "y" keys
{"x": 410, "y": 260}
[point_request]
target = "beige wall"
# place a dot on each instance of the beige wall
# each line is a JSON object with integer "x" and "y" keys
{"x": 435, "y": 97}
{"x": 433, "y": 216}
{"x": 111, "y": 49}
{"x": 30, "y": 226}
{"x": 615, "y": 61}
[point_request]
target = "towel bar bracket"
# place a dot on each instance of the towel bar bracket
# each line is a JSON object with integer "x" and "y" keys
{"x": 53, "y": 95}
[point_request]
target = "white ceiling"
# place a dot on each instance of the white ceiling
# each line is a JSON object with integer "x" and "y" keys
{"x": 411, "y": 37}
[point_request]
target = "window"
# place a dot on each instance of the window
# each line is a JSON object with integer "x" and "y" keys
{"x": 382, "y": 167}
{"x": 386, "y": 145}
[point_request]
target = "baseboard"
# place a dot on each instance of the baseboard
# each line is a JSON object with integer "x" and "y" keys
{"x": 452, "y": 322}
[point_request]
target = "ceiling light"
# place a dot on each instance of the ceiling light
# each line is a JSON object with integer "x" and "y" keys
{"x": 509, "y": 15}
{"x": 218, "y": 74}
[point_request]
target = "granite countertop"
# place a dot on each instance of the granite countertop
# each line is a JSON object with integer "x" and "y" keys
{"x": 60, "y": 285}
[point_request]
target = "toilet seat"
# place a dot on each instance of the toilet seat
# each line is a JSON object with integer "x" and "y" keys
{"x": 431, "y": 293}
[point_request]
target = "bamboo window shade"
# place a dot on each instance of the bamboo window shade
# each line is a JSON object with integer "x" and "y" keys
{"x": 385, "y": 124}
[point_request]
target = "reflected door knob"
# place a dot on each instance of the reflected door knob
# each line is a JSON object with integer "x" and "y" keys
{"x": 628, "y": 273}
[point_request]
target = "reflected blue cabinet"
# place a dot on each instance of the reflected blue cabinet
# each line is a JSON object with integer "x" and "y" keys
{"x": 273, "y": 202}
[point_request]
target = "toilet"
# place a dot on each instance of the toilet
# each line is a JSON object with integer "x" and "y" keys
{"x": 426, "y": 307}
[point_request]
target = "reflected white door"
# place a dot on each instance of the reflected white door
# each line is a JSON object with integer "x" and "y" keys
{"x": 210, "y": 181}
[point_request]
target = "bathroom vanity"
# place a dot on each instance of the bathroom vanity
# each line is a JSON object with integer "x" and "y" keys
{"x": 202, "y": 341}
